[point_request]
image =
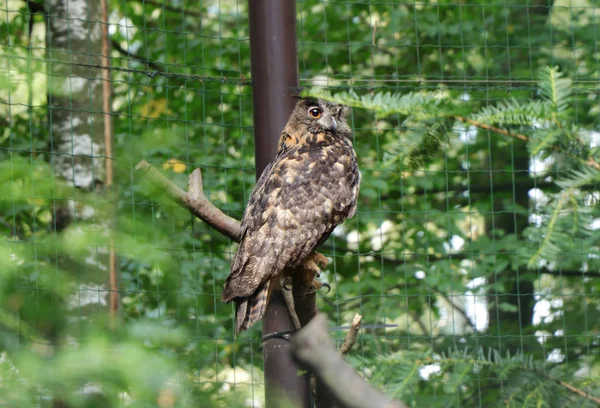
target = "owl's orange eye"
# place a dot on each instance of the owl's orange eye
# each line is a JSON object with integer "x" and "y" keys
{"x": 315, "y": 112}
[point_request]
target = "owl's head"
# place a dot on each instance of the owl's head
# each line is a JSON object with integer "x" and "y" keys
{"x": 318, "y": 115}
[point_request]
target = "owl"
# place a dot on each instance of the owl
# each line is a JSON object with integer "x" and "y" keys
{"x": 303, "y": 194}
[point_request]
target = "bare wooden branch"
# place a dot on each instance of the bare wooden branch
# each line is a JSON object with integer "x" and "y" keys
{"x": 194, "y": 200}
{"x": 351, "y": 335}
{"x": 315, "y": 352}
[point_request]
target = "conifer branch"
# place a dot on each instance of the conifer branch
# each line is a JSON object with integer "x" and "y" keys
{"x": 576, "y": 390}
{"x": 547, "y": 239}
{"x": 492, "y": 128}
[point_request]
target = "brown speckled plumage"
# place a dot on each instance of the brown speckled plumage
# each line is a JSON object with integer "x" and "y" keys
{"x": 310, "y": 188}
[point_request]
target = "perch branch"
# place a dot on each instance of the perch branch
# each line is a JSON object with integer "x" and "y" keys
{"x": 302, "y": 307}
{"x": 351, "y": 335}
{"x": 194, "y": 200}
{"x": 315, "y": 351}
{"x": 304, "y": 300}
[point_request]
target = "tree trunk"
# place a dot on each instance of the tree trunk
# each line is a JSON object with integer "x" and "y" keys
{"x": 75, "y": 92}
{"x": 76, "y": 121}
{"x": 518, "y": 291}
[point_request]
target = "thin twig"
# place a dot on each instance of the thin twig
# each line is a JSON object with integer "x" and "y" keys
{"x": 351, "y": 335}
{"x": 492, "y": 128}
{"x": 151, "y": 64}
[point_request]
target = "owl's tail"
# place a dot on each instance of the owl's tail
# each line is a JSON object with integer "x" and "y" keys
{"x": 251, "y": 309}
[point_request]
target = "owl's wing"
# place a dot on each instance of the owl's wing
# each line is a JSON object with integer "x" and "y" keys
{"x": 295, "y": 206}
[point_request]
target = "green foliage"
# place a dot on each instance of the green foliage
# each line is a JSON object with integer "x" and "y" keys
{"x": 418, "y": 105}
{"x": 454, "y": 217}
{"x": 514, "y": 113}
{"x": 546, "y": 123}
{"x": 461, "y": 376}
{"x": 424, "y": 127}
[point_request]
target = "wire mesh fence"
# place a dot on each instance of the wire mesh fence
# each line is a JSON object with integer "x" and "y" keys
{"x": 476, "y": 129}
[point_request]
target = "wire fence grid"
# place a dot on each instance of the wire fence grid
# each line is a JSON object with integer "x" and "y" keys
{"x": 443, "y": 249}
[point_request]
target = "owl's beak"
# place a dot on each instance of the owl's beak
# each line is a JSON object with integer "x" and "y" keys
{"x": 329, "y": 123}
{"x": 333, "y": 125}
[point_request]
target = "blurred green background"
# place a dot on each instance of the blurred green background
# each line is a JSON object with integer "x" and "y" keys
{"x": 476, "y": 125}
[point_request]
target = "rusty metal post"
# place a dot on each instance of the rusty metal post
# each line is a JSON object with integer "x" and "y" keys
{"x": 274, "y": 79}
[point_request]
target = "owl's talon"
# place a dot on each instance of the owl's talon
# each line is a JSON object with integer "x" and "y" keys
{"x": 286, "y": 286}
{"x": 328, "y": 286}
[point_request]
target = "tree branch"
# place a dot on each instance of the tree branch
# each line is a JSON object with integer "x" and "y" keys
{"x": 590, "y": 161}
{"x": 314, "y": 351}
{"x": 151, "y": 64}
{"x": 577, "y": 391}
{"x": 492, "y": 128}
{"x": 459, "y": 309}
{"x": 194, "y": 200}
{"x": 197, "y": 203}
{"x": 351, "y": 335}
{"x": 180, "y": 10}
{"x": 304, "y": 293}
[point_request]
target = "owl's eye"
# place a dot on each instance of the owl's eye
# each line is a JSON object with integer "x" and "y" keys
{"x": 315, "y": 112}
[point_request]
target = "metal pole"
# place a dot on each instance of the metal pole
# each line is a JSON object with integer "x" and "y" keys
{"x": 274, "y": 78}
{"x": 274, "y": 72}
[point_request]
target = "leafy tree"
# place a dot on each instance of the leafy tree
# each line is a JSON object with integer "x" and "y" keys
{"x": 477, "y": 234}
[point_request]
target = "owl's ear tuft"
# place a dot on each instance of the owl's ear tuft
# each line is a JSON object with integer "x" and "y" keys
{"x": 344, "y": 112}
{"x": 296, "y": 93}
